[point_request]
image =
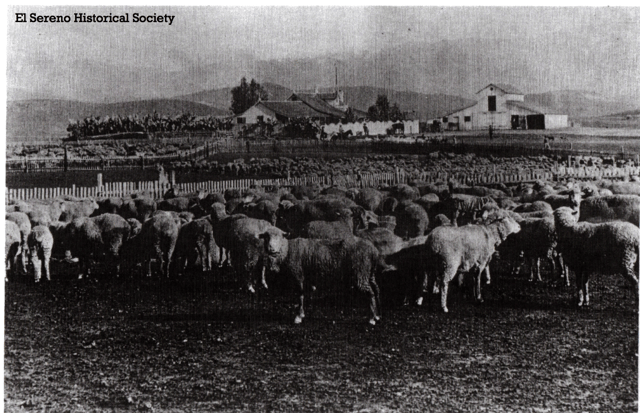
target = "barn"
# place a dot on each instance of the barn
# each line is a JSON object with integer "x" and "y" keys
{"x": 502, "y": 106}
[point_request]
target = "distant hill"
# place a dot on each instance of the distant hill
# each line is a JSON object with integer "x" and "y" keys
{"x": 221, "y": 98}
{"x": 578, "y": 104}
{"x": 42, "y": 118}
{"x": 427, "y": 106}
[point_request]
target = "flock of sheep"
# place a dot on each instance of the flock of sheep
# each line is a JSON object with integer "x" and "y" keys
{"x": 335, "y": 238}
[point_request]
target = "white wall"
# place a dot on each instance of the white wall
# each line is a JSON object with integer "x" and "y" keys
{"x": 251, "y": 114}
{"x": 375, "y": 128}
{"x": 556, "y": 121}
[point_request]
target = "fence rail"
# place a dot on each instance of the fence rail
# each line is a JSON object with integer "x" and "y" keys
{"x": 156, "y": 190}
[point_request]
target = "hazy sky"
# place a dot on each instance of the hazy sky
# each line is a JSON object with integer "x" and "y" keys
{"x": 202, "y": 35}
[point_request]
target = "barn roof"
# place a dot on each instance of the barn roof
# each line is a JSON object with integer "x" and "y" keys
{"x": 460, "y": 109}
{"x": 538, "y": 109}
{"x": 506, "y": 88}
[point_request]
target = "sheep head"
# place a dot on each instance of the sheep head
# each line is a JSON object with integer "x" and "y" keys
{"x": 565, "y": 216}
{"x": 276, "y": 247}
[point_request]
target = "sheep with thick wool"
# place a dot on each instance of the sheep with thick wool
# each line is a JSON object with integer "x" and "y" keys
{"x": 22, "y": 220}
{"x": 325, "y": 264}
{"x": 611, "y": 208}
{"x": 605, "y": 248}
{"x": 449, "y": 250}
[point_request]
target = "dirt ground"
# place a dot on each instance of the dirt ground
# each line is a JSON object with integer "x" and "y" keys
{"x": 199, "y": 343}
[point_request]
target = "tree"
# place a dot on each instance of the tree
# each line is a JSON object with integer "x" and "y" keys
{"x": 246, "y": 95}
{"x": 395, "y": 114}
{"x": 382, "y": 111}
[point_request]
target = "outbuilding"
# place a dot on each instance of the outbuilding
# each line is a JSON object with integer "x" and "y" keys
{"x": 502, "y": 106}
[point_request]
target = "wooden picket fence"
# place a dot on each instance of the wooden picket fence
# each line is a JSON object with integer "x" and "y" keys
{"x": 371, "y": 180}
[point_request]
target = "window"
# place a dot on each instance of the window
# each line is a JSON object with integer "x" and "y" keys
{"x": 492, "y": 103}
{"x": 242, "y": 121}
{"x": 467, "y": 118}
{"x": 445, "y": 120}
{"x": 260, "y": 118}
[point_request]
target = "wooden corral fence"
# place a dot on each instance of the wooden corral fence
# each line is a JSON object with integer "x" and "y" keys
{"x": 156, "y": 190}
{"x": 208, "y": 149}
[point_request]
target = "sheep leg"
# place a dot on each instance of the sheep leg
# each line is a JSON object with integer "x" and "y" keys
{"x": 23, "y": 257}
{"x": 487, "y": 274}
{"x": 376, "y": 299}
{"x": 580, "y": 285}
{"x": 46, "y": 258}
{"x": 477, "y": 285}
{"x": 37, "y": 265}
{"x": 202, "y": 253}
{"x": 263, "y": 278}
{"x": 564, "y": 270}
{"x": 538, "y": 277}
{"x": 449, "y": 274}
{"x": 300, "y": 315}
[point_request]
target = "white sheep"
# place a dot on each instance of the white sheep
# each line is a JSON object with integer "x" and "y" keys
{"x": 450, "y": 250}
{"x": 325, "y": 263}
{"x": 605, "y": 248}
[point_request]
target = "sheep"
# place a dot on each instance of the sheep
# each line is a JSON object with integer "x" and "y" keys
{"x": 622, "y": 188}
{"x": 262, "y": 209}
{"x": 94, "y": 236}
{"x": 571, "y": 200}
{"x": 606, "y": 248}
{"x": 449, "y": 250}
{"x": 349, "y": 221}
{"x": 238, "y": 234}
{"x": 78, "y": 209}
{"x": 611, "y": 208}
{"x": 157, "y": 239}
{"x": 139, "y": 208}
{"x": 383, "y": 239}
{"x": 466, "y": 207}
{"x": 40, "y": 245}
{"x": 292, "y": 216}
{"x": 22, "y": 220}
{"x": 325, "y": 264}
{"x": 196, "y": 241}
{"x": 177, "y": 204}
{"x": 39, "y": 212}
{"x": 536, "y": 239}
{"x": 369, "y": 198}
{"x": 12, "y": 245}
{"x": 412, "y": 220}
{"x": 534, "y": 206}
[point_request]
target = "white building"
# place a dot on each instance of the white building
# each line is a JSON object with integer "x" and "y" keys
{"x": 502, "y": 106}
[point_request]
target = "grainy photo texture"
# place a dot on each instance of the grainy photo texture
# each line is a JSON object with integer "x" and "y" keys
{"x": 302, "y": 209}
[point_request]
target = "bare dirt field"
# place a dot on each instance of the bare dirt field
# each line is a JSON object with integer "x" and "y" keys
{"x": 201, "y": 344}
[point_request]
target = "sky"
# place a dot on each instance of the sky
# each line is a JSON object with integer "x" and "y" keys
{"x": 56, "y": 59}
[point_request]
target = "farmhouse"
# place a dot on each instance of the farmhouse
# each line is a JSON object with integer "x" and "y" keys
{"x": 502, "y": 106}
{"x": 323, "y": 107}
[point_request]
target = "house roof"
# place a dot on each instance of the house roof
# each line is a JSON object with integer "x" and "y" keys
{"x": 315, "y": 102}
{"x": 506, "y": 88}
{"x": 292, "y": 109}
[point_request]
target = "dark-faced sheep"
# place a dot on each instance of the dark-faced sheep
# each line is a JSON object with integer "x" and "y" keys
{"x": 450, "y": 250}
{"x": 325, "y": 264}
{"x": 605, "y": 248}
{"x": 196, "y": 243}
{"x": 94, "y": 237}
